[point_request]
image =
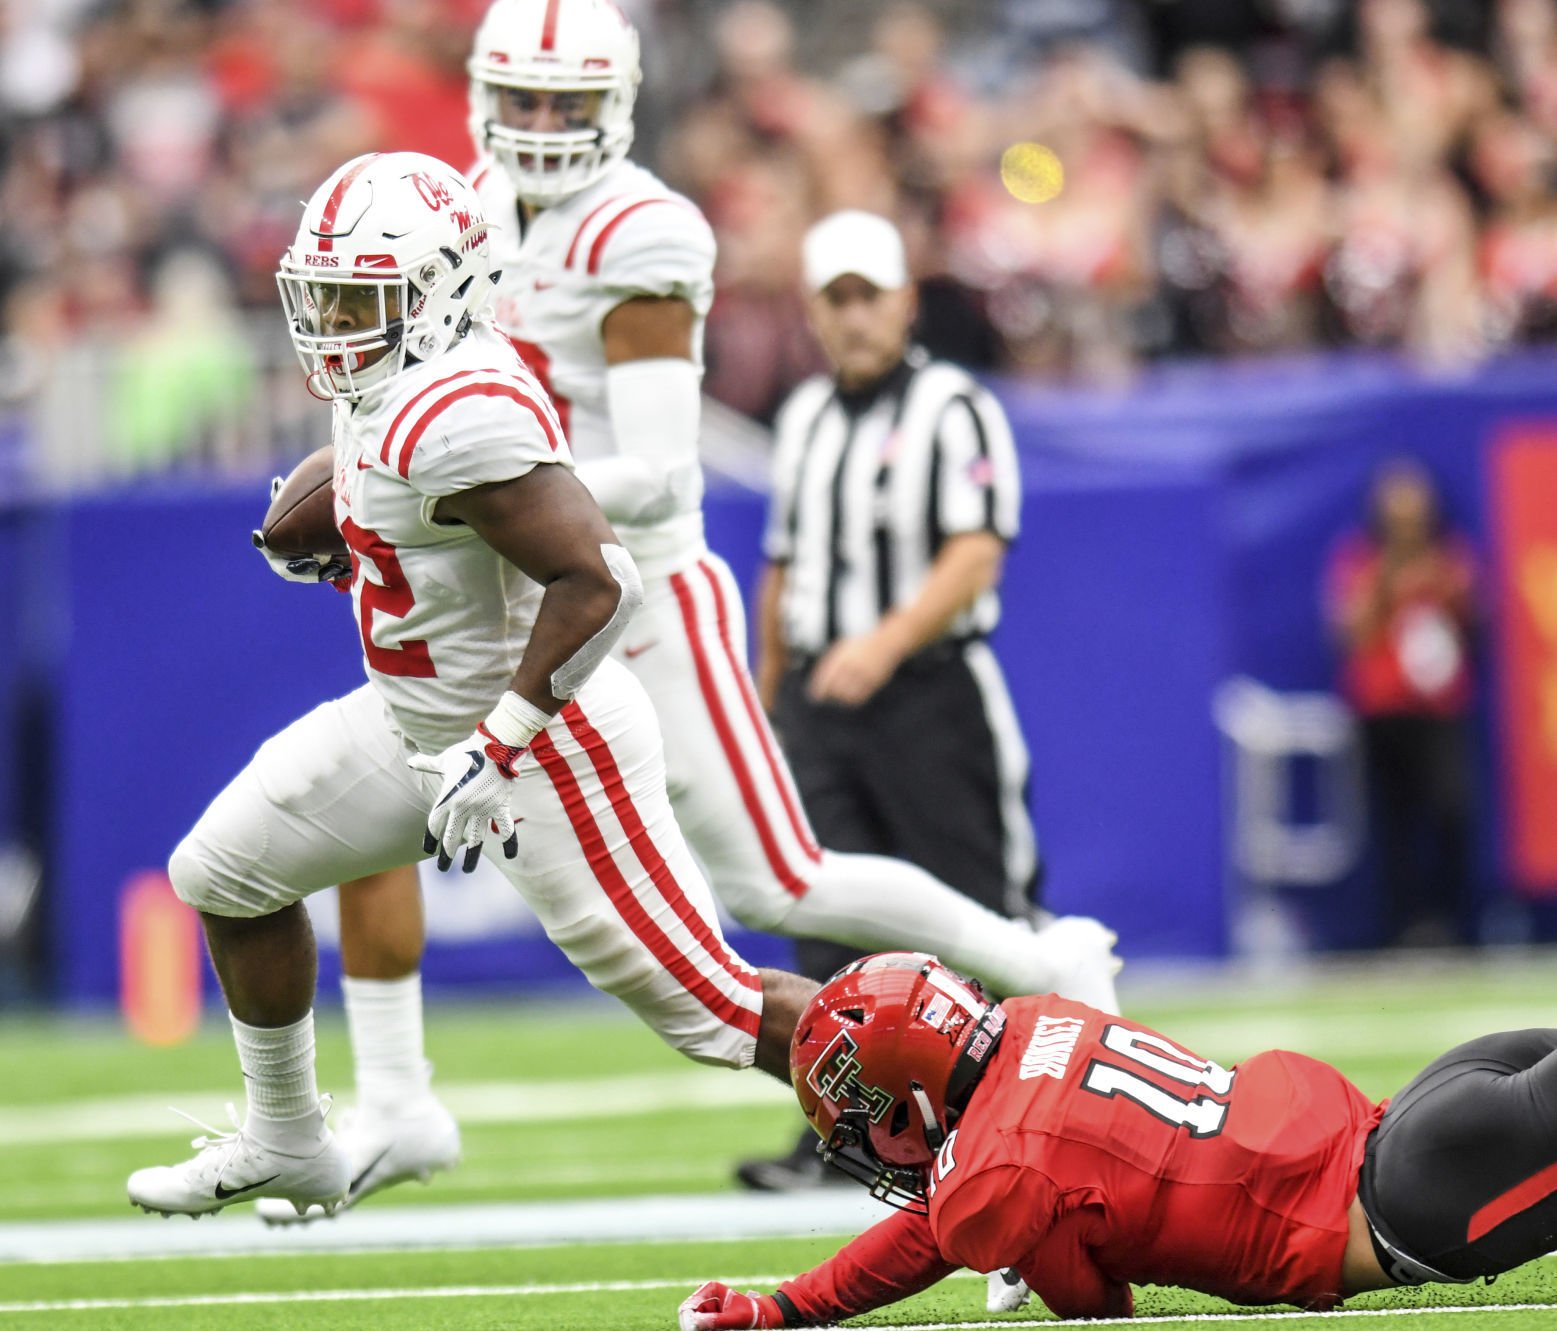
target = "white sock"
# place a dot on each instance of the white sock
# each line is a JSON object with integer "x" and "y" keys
{"x": 278, "y": 1073}
{"x": 385, "y": 1021}
{"x": 880, "y": 904}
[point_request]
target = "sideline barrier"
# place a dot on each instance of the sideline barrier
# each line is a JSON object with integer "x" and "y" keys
{"x": 1174, "y": 537}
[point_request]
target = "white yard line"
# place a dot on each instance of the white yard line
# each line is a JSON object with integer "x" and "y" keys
{"x": 120, "y": 1117}
{"x": 690, "y": 1218}
{"x": 1251, "y": 1316}
{"x": 642, "y": 1286}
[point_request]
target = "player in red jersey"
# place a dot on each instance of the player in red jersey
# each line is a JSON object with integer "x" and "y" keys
{"x": 1091, "y": 1153}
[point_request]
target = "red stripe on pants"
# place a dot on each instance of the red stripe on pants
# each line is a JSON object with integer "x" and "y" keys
{"x": 791, "y": 881}
{"x": 797, "y": 819}
{"x": 604, "y": 763}
{"x": 1521, "y": 1197}
{"x": 621, "y": 896}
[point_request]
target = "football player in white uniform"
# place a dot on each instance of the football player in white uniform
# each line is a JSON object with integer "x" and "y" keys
{"x": 606, "y": 278}
{"x": 490, "y": 590}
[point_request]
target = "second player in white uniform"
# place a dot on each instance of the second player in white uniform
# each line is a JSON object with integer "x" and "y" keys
{"x": 489, "y": 588}
{"x": 606, "y": 278}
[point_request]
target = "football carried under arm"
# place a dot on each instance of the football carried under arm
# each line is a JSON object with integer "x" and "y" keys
{"x": 654, "y": 396}
{"x": 546, "y": 524}
{"x": 298, "y": 535}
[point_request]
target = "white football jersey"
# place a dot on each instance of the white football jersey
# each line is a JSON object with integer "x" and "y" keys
{"x": 444, "y": 618}
{"x": 562, "y": 272}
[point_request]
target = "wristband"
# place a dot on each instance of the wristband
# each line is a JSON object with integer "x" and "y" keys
{"x": 515, "y": 721}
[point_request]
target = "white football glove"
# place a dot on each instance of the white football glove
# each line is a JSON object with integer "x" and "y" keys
{"x": 301, "y": 568}
{"x": 476, "y": 782}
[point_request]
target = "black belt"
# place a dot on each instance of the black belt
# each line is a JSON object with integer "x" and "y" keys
{"x": 938, "y": 653}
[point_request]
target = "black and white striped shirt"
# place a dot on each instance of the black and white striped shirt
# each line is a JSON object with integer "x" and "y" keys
{"x": 867, "y": 487}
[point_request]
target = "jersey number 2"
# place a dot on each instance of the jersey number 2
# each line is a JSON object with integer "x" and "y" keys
{"x": 391, "y": 595}
{"x": 1201, "y": 1114}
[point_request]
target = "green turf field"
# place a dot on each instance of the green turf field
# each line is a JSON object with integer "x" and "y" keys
{"x": 562, "y": 1103}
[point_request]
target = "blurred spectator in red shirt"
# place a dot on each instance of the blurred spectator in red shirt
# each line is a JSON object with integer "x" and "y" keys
{"x": 1401, "y": 602}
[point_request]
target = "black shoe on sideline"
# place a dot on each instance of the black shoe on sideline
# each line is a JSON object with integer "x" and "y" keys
{"x": 799, "y": 1171}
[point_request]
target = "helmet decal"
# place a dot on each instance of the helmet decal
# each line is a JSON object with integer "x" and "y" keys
{"x": 884, "y": 1058}
{"x": 836, "y": 1076}
{"x": 412, "y": 295}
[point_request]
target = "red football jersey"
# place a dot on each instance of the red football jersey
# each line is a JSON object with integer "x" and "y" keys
{"x": 1097, "y": 1153}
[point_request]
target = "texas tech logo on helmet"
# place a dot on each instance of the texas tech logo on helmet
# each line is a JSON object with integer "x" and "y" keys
{"x": 836, "y": 1076}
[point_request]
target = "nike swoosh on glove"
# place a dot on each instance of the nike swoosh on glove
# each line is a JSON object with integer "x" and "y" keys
{"x": 716, "y": 1307}
{"x": 475, "y": 785}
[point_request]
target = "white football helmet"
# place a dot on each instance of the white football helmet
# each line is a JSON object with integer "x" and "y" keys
{"x": 391, "y": 262}
{"x": 580, "y": 56}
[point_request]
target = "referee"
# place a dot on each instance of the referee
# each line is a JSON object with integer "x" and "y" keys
{"x": 895, "y": 494}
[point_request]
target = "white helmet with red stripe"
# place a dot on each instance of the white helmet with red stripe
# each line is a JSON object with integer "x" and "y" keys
{"x": 391, "y": 263}
{"x": 552, "y": 86}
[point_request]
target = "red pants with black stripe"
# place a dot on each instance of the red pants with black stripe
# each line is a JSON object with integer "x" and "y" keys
{"x": 1459, "y": 1180}
{"x": 601, "y": 860}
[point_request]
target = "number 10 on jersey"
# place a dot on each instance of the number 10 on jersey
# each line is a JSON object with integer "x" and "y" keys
{"x": 1202, "y": 1114}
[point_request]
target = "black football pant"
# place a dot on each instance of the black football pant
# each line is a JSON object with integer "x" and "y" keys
{"x": 914, "y": 773}
{"x": 1459, "y": 1180}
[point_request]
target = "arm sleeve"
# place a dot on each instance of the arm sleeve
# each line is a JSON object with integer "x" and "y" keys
{"x": 481, "y": 433}
{"x": 1063, "y": 1273}
{"x": 655, "y": 407}
{"x": 980, "y": 483}
{"x": 888, "y": 1262}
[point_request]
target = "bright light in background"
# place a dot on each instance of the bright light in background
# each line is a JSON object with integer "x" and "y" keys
{"x": 1032, "y": 172}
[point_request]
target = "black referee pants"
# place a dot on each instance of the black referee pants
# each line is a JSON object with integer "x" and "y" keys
{"x": 912, "y": 773}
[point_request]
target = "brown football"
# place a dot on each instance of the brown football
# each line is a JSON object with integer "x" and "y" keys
{"x": 301, "y": 518}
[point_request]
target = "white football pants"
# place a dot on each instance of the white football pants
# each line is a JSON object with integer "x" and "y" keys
{"x": 601, "y": 861}
{"x": 738, "y": 807}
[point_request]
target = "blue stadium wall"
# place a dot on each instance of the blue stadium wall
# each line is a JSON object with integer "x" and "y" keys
{"x": 1174, "y": 536}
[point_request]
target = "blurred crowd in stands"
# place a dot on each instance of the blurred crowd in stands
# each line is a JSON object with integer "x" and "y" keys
{"x": 1086, "y": 186}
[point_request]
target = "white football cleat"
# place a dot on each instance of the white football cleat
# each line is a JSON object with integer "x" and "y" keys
{"x": 1007, "y": 1291}
{"x": 232, "y": 1167}
{"x": 1074, "y": 957}
{"x": 383, "y": 1152}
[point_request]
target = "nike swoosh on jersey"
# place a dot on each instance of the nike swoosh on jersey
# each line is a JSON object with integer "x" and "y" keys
{"x": 222, "y": 1194}
{"x": 630, "y": 652}
{"x": 364, "y": 466}
{"x": 541, "y": 284}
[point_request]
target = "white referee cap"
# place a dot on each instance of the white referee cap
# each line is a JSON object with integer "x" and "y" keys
{"x": 852, "y": 241}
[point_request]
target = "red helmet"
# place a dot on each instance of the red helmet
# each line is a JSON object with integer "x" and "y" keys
{"x": 884, "y": 1057}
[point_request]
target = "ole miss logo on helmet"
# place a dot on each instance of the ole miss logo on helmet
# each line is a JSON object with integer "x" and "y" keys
{"x": 836, "y": 1076}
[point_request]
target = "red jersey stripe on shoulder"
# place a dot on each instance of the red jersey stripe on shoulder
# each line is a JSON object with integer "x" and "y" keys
{"x": 332, "y": 205}
{"x": 486, "y": 388}
{"x": 609, "y": 227}
{"x": 389, "y": 434}
{"x": 584, "y": 225}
